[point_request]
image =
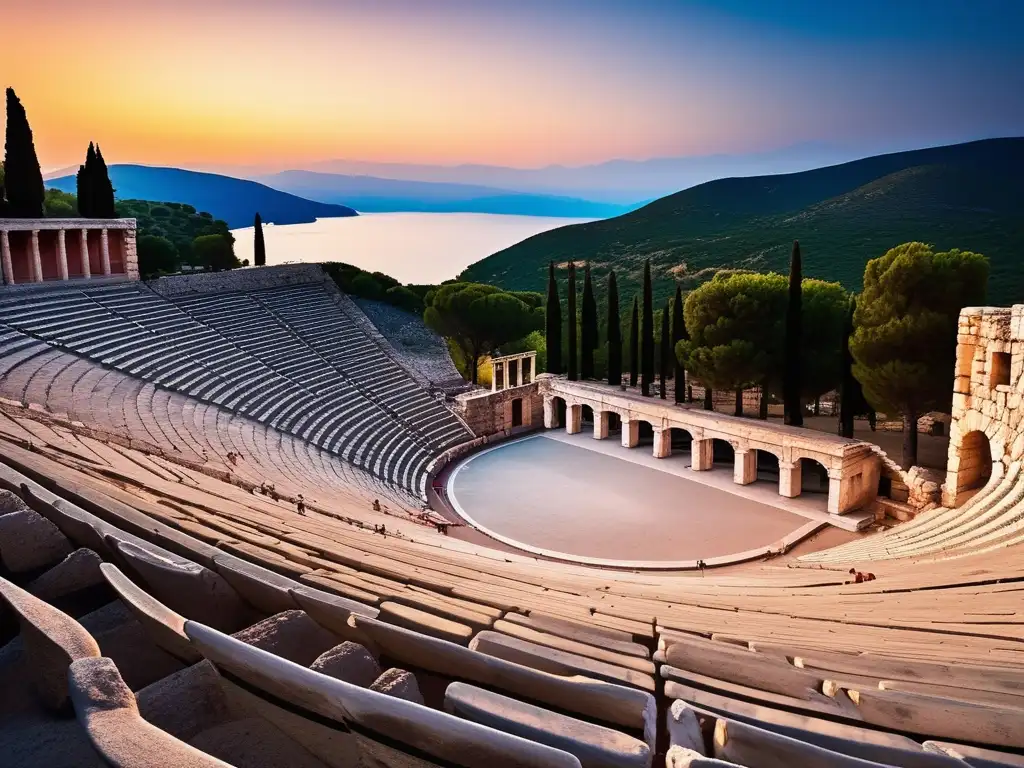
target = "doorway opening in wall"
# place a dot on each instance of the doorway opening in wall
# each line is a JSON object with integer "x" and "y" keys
{"x": 975, "y": 462}
{"x": 517, "y": 412}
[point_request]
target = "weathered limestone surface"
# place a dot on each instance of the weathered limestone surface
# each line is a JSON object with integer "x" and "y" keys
{"x": 489, "y": 413}
{"x": 29, "y": 541}
{"x": 350, "y": 662}
{"x": 986, "y": 426}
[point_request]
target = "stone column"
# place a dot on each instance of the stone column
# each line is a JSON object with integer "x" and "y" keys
{"x": 837, "y": 504}
{"x": 37, "y": 262}
{"x": 5, "y": 250}
{"x": 662, "y": 443}
{"x": 62, "y": 255}
{"x": 86, "y": 272}
{"x": 744, "y": 471}
{"x": 790, "y": 479}
{"x": 550, "y": 413}
{"x": 504, "y": 372}
{"x": 630, "y": 433}
{"x": 601, "y": 419}
{"x": 702, "y": 454}
{"x": 574, "y": 415}
{"x": 105, "y": 251}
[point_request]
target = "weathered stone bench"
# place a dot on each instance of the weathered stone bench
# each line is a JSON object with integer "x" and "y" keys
{"x": 53, "y": 641}
{"x": 107, "y": 710}
{"x": 304, "y": 704}
{"x": 594, "y": 745}
{"x": 604, "y": 702}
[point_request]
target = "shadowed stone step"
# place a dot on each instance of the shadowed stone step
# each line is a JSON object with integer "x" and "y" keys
{"x": 400, "y": 684}
{"x": 254, "y": 743}
{"x": 291, "y": 635}
{"x": 78, "y": 571}
{"x": 187, "y": 702}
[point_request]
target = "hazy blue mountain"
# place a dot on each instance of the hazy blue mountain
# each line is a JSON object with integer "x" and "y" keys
{"x": 375, "y": 195}
{"x": 235, "y": 201}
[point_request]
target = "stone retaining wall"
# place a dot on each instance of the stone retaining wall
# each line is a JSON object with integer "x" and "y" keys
{"x": 245, "y": 280}
{"x": 487, "y": 413}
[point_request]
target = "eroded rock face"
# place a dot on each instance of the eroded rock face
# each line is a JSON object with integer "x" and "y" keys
{"x": 350, "y": 662}
{"x": 291, "y": 635}
{"x": 79, "y": 570}
{"x": 29, "y": 541}
{"x": 10, "y": 502}
{"x": 400, "y": 684}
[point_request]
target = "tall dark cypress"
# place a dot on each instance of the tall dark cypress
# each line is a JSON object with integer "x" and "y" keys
{"x": 23, "y": 180}
{"x": 666, "y": 347}
{"x": 553, "y": 323}
{"x": 792, "y": 409}
{"x": 103, "y": 190}
{"x": 259, "y": 247}
{"x": 588, "y": 327}
{"x": 573, "y": 358}
{"x": 614, "y": 332}
{"x": 647, "y": 336}
{"x": 634, "y": 343}
{"x": 678, "y": 334}
{"x": 709, "y": 402}
{"x": 84, "y": 183}
{"x": 851, "y": 396}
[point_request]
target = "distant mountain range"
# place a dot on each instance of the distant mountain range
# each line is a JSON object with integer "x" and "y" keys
{"x": 968, "y": 196}
{"x": 372, "y": 194}
{"x": 235, "y": 201}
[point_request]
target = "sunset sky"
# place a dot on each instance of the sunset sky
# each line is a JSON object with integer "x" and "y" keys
{"x": 511, "y": 82}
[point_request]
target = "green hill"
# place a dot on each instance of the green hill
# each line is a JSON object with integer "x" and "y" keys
{"x": 968, "y": 196}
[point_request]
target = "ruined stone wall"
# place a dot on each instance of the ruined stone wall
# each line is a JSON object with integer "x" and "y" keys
{"x": 488, "y": 413}
{"x": 986, "y": 434}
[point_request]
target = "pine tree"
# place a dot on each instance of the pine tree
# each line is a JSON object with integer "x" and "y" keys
{"x": 23, "y": 180}
{"x": 573, "y": 358}
{"x": 634, "y": 343}
{"x": 614, "y": 333}
{"x": 259, "y": 246}
{"x": 666, "y": 347}
{"x": 588, "y": 327}
{"x": 792, "y": 408}
{"x": 103, "y": 190}
{"x": 83, "y": 183}
{"x": 647, "y": 336}
{"x": 678, "y": 334}
{"x": 553, "y": 324}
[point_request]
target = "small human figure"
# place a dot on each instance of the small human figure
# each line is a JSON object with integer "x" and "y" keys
{"x": 872, "y": 419}
{"x": 701, "y": 565}
{"x": 300, "y": 505}
{"x": 383, "y": 530}
{"x": 263, "y": 488}
{"x": 376, "y": 505}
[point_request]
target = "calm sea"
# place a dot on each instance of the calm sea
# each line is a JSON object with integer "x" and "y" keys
{"x": 411, "y": 247}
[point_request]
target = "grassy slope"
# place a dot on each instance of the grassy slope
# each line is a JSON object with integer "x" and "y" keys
{"x": 969, "y": 196}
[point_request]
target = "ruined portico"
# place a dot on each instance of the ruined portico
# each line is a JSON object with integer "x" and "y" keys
{"x": 55, "y": 250}
{"x": 852, "y": 465}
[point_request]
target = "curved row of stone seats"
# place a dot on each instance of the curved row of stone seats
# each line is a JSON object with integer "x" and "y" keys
{"x": 17, "y": 347}
{"x": 207, "y": 592}
{"x": 314, "y": 315}
{"x": 990, "y": 519}
{"x": 144, "y": 335}
{"x": 972, "y": 704}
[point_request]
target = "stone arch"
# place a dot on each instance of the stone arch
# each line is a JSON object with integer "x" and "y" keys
{"x": 973, "y": 465}
{"x": 814, "y": 476}
{"x": 681, "y": 438}
{"x": 723, "y": 452}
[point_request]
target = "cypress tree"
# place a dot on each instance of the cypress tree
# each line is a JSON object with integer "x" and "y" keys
{"x": 614, "y": 333}
{"x": 588, "y": 327}
{"x": 791, "y": 372}
{"x": 22, "y": 178}
{"x": 553, "y": 324}
{"x": 666, "y": 346}
{"x": 709, "y": 403}
{"x": 259, "y": 246}
{"x": 103, "y": 190}
{"x": 634, "y": 343}
{"x": 647, "y": 336}
{"x": 678, "y": 334}
{"x": 573, "y": 359}
{"x": 851, "y": 397}
{"x": 84, "y": 185}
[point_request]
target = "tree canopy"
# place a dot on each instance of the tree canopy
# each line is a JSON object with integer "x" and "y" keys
{"x": 904, "y": 342}
{"x": 95, "y": 192}
{"x": 156, "y": 255}
{"x": 480, "y": 318}
{"x": 735, "y": 323}
{"x": 216, "y": 252}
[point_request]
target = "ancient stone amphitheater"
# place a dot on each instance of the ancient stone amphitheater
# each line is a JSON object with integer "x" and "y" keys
{"x": 215, "y": 550}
